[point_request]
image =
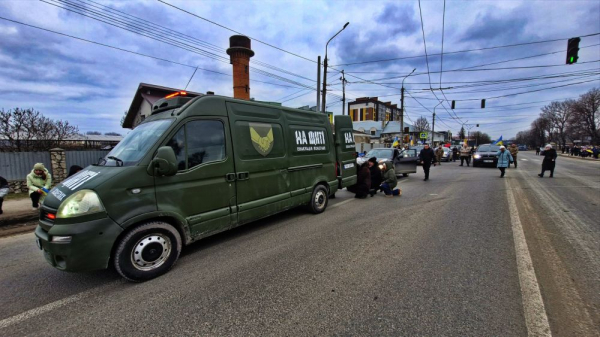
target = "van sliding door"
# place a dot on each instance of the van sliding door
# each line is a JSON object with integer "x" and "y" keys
{"x": 345, "y": 150}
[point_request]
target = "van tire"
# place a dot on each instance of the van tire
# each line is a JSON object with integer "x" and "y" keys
{"x": 405, "y": 174}
{"x": 319, "y": 199}
{"x": 163, "y": 246}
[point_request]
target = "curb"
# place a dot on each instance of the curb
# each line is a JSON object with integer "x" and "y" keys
{"x": 28, "y": 228}
{"x": 19, "y": 219}
{"x": 576, "y": 157}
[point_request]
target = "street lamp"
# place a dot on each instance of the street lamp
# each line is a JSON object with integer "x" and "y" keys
{"x": 433, "y": 125}
{"x": 325, "y": 68}
{"x": 402, "y": 110}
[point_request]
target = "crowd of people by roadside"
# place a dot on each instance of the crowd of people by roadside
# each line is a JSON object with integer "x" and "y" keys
{"x": 582, "y": 151}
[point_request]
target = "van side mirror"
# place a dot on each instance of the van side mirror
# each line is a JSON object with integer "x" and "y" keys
{"x": 164, "y": 163}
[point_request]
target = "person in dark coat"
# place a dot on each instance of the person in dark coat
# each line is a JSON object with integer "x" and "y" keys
{"x": 363, "y": 182}
{"x": 376, "y": 175}
{"x": 537, "y": 150}
{"x": 549, "y": 161}
{"x": 74, "y": 169}
{"x": 427, "y": 157}
{"x": 4, "y": 189}
{"x": 454, "y": 153}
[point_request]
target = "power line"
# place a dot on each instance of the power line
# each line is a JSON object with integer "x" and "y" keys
{"x": 222, "y": 26}
{"x": 462, "y": 51}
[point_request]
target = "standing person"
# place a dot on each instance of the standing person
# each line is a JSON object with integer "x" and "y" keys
{"x": 465, "y": 155}
{"x": 514, "y": 150}
{"x": 39, "y": 182}
{"x": 363, "y": 182}
{"x": 537, "y": 150}
{"x": 376, "y": 176}
{"x": 4, "y": 188}
{"x": 74, "y": 169}
{"x": 426, "y": 156}
{"x": 454, "y": 153}
{"x": 390, "y": 181}
{"x": 504, "y": 159}
{"x": 549, "y": 161}
{"x": 439, "y": 153}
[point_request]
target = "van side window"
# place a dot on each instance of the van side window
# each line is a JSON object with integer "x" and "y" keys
{"x": 205, "y": 142}
{"x": 178, "y": 145}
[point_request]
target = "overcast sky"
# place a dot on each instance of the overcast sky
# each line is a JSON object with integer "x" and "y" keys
{"x": 92, "y": 86}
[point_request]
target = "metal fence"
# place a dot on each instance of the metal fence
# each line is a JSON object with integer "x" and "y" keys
{"x": 17, "y": 165}
{"x": 84, "y": 158}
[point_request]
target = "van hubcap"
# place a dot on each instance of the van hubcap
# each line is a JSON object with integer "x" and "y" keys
{"x": 151, "y": 251}
{"x": 320, "y": 199}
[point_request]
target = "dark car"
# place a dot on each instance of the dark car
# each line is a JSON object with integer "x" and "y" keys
{"x": 486, "y": 155}
{"x": 404, "y": 162}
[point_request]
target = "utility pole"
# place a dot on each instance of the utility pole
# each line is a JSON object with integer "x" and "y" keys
{"x": 433, "y": 125}
{"x": 402, "y": 110}
{"x": 319, "y": 83}
{"x": 343, "y": 78}
{"x": 433, "y": 130}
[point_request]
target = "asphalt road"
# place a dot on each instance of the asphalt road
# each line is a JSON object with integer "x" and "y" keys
{"x": 447, "y": 258}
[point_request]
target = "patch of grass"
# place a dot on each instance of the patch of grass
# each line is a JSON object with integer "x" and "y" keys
{"x": 16, "y": 196}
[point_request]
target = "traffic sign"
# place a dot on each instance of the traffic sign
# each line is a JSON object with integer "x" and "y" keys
{"x": 423, "y": 135}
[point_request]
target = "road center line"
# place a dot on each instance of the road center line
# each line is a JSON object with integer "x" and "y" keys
{"x": 53, "y": 305}
{"x": 533, "y": 305}
{"x": 341, "y": 203}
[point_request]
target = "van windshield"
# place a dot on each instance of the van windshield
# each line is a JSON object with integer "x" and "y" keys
{"x": 136, "y": 144}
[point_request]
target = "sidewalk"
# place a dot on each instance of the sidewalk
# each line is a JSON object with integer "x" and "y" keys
{"x": 17, "y": 211}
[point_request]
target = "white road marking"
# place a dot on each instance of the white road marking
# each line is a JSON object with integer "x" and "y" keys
{"x": 53, "y": 305}
{"x": 341, "y": 203}
{"x": 525, "y": 159}
{"x": 533, "y": 305}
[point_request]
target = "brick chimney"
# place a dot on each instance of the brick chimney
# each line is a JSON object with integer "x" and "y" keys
{"x": 239, "y": 54}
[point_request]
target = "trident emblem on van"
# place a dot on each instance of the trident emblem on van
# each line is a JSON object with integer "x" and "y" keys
{"x": 262, "y": 137}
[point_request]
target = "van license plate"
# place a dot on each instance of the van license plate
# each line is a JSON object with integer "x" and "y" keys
{"x": 488, "y": 161}
{"x": 38, "y": 242}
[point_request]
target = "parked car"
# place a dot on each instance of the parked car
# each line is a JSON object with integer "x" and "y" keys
{"x": 447, "y": 156}
{"x": 522, "y": 147}
{"x": 486, "y": 155}
{"x": 417, "y": 148}
{"x": 382, "y": 154}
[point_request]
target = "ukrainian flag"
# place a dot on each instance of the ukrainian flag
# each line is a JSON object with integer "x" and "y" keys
{"x": 395, "y": 143}
{"x": 499, "y": 141}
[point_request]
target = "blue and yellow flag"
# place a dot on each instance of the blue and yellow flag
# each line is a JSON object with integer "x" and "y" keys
{"x": 395, "y": 143}
{"x": 499, "y": 141}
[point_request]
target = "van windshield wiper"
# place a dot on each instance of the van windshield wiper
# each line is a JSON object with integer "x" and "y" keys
{"x": 116, "y": 159}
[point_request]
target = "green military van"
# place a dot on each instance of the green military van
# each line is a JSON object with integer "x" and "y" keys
{"x": 194, "y": 168}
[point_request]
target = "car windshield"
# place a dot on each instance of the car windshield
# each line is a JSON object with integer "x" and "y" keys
{"x": 380, "y": 153}
{"x": 488, "y": 148}
{"x": 136, "y": 144}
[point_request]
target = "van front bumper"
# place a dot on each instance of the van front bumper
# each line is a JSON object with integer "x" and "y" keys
{"x": 89, "y": 247}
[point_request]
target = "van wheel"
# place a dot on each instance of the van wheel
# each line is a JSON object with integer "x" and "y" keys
{"x": 148, "y": 251}
{"x": 405, "y": 174}
{"x": 319, "y": 199}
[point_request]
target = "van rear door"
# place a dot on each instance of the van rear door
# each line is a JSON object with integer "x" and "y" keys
{"x": 345, "y": 151}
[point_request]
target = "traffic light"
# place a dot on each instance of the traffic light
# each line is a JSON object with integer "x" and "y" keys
{"x": 406, "y": 129}
{"x": 572, "y": 50}
{"x": 453, "y": 104}
{"x": 483, "y": 103}
{"x": 477, "y": 125}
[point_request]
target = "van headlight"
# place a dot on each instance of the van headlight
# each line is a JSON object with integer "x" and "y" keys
{"x": 82, "y": 202}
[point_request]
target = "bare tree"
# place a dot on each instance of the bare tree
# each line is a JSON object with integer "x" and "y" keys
{"x": 112, "y": 134}
{"x": 29, "y": 130}
{"x": 93, "y": 133}
{"x": 559, "y": 114}
{"x": 421, "y": 124}
{"x": 586, "y": 113}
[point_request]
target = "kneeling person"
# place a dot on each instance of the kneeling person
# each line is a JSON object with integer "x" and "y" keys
{"x": 390, "y": 181}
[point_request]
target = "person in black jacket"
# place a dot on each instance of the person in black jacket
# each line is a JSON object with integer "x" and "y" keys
{"x": 4, "y": 188}
{"x": 376, "y": 176}
{"x": 427, "y": 157}
{"x": 549, "y": 161}
{"x": 363, "y": 182}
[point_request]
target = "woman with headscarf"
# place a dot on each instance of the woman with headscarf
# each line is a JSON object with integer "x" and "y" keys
{"x": 549, "y": 161}
{"x": 39, "y": 182}
{"x": 504, "y": 159}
